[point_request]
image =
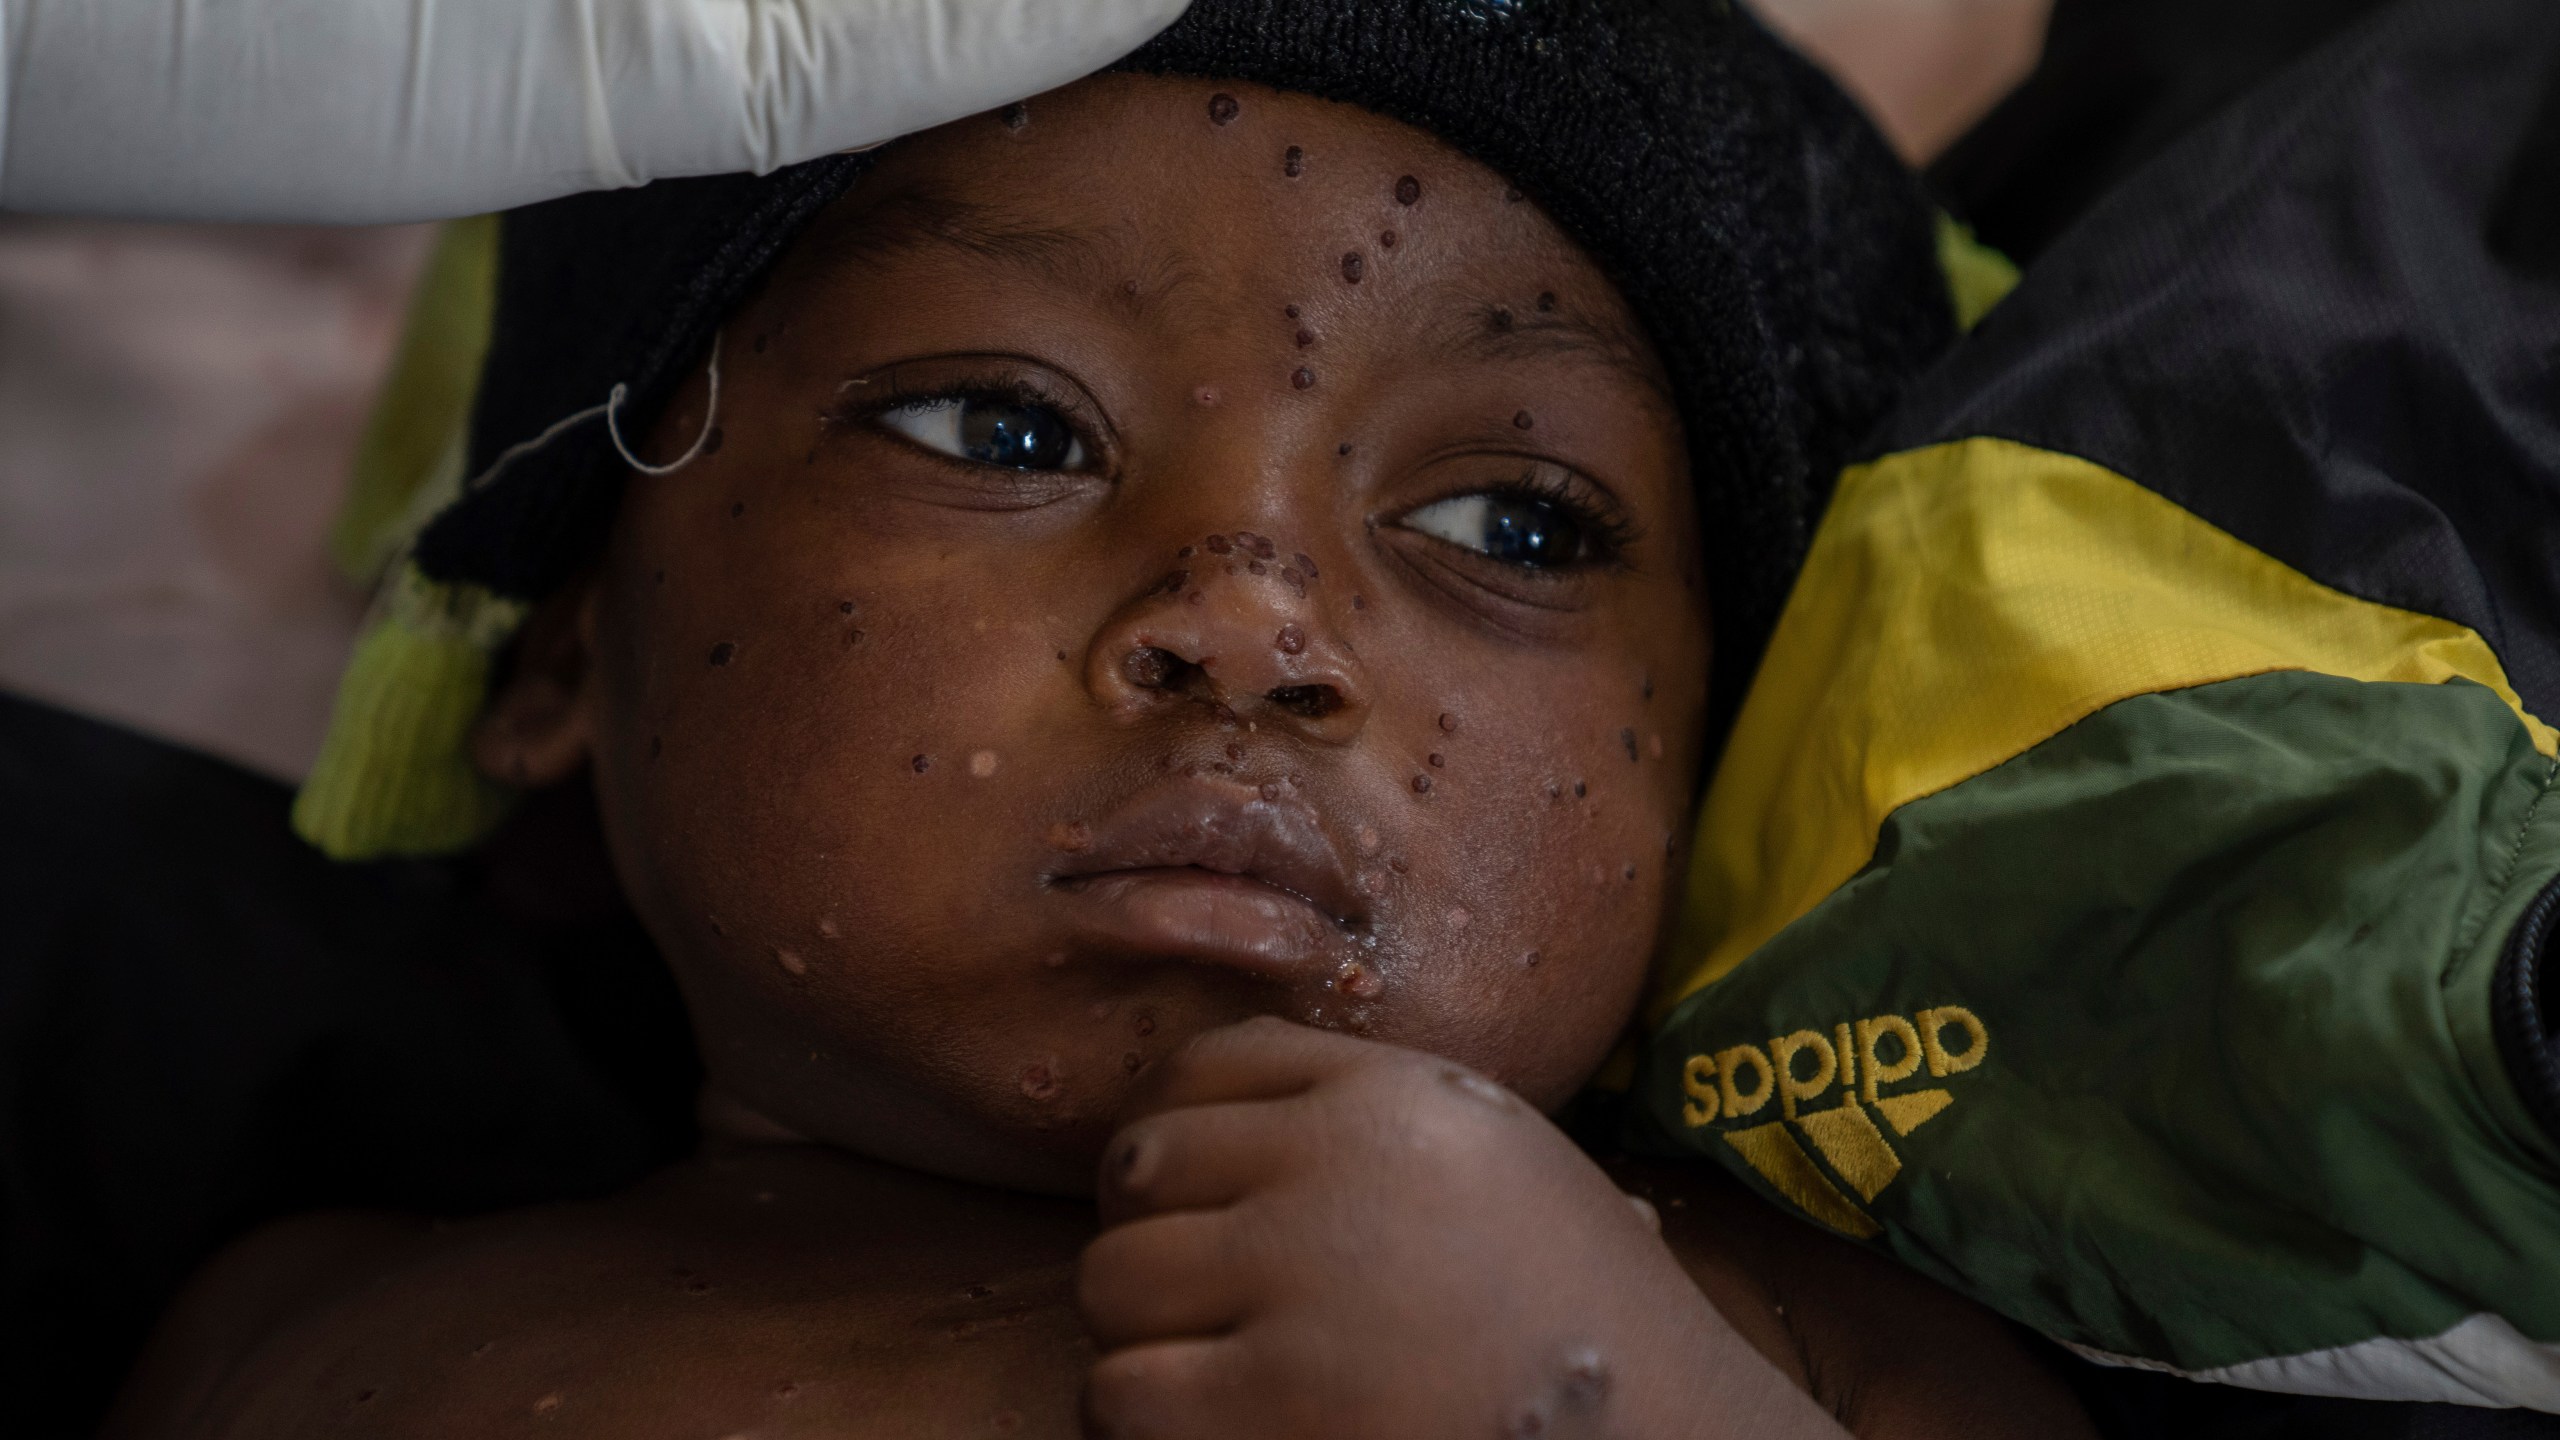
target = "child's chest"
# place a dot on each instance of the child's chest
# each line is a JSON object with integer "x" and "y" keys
{"x": 836, "y": 1320}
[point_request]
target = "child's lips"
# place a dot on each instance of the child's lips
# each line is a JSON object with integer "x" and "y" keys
{"x": 1199, "y": 870}
{"x": 1202, "y": 915}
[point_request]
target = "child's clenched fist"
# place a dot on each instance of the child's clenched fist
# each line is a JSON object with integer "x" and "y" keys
{"x": 1310, "y": 1234}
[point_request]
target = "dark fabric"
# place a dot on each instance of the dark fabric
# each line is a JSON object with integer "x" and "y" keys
{"x": 2292, "y": 323}
{"x": 2525, "y": 232}
{"x": 2526, "y": 1007}
{"x": 1781, "y": 258}
{"x": 2118, "y": 81}
{"x": 621, "y": 287}
{"x": 2324, "y": 315}
{"x": 205, "y": 1025}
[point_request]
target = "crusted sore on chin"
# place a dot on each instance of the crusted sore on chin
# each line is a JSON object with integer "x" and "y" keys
{"x": 1043, "y": 1083}
{"x": 1055, "y": 1095}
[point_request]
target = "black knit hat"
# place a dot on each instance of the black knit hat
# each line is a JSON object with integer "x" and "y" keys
{"x": 1779, "y": 255}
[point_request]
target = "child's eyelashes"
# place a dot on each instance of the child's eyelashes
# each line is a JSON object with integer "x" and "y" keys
{"x": 1535, "y": 522}
{"x": 981, "y": 414}
{"x": 1009, "y": 433}
{"x": 1517, "y": 530}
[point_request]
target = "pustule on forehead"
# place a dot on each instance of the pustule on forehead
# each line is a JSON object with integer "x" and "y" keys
{"x": 1383, "y": 189}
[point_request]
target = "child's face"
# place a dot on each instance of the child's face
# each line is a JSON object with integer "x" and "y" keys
{"x": 1175, "y": 553}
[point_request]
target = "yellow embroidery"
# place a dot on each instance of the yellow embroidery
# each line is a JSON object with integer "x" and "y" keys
{"x": 1783, "y": 1052}
{"x": 1933, "y": 1023}
{"x": 1697, "y": 1080}
{"x": 1906, "y": 1113}
{"x": 1736, "y": 1103}
{"x": 1773, "y": 1152}
{"x": 1854, "y": 1146}
{"x": 1846, "y": 1135}
{"x": 1874, "y": 1072}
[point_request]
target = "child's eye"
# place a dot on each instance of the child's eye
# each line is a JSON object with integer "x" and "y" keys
{"x": 1011, "y": 433}
{"x": 1522, "y": 530}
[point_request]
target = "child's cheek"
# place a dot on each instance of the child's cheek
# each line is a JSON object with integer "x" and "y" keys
{"x": 838, "y": 759}
{"x": 755, "y": 705}
{"x": 831, "y": 765}
{"x": 1522, "y": 900}
{"x": 813, "y": 741}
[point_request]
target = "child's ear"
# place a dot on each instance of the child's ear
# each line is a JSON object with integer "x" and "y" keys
{"x": 541, "y": 721}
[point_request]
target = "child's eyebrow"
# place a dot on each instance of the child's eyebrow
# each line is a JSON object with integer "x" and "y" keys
{"x": 921, "y": 216}
{"x": 1480, "y": 332}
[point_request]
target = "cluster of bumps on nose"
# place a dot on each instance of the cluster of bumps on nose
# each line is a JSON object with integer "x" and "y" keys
{"x": 1257, "y": 554}
{"x": 1153, "y": 668}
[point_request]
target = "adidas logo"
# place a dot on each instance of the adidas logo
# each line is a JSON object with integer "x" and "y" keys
{"x": 1860, "y": 1057}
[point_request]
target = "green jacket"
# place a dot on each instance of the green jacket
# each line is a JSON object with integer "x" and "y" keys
{"x": 2129, "y": 893}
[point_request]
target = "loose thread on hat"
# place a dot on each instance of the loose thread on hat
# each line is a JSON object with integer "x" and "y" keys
{"x": 710, "y": 422}
{"x": 611, "y": 411}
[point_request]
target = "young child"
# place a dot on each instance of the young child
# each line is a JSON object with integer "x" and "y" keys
{"x": 1162, "y": 633}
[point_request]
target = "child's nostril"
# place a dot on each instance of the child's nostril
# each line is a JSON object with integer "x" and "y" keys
{"x": 1151, "y": 668}
{"x": 1312, "y": 701}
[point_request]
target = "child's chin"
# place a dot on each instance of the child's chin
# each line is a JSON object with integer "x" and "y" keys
{"x": 1060, "y": 1160}
{"x": 1002, "y": 1137}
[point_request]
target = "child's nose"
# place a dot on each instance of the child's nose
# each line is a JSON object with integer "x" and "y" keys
{"x": 1257, "y": 646}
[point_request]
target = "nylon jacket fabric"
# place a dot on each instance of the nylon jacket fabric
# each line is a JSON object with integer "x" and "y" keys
{"x": 2153, "y": 767}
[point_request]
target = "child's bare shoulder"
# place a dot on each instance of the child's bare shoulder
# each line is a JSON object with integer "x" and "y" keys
{"x": 778, "y": 1292}
{"x": 1887, "y": 1352}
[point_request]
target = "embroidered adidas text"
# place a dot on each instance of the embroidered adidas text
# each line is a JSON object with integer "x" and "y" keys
{"x": 1859, "y": 1057}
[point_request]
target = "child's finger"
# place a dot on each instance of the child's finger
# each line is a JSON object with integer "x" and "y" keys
{"x": 1163, "y": 1278}
{"x": 1170, "y": 1390}
{"x": 1260, "y": 1059}
{"x": 1196, "y": 1158}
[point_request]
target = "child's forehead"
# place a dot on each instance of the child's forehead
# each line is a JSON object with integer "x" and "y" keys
{"x": 1152, "y": 192}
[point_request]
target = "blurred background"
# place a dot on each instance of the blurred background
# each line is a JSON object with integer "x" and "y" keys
{"x": 179, "y": 406}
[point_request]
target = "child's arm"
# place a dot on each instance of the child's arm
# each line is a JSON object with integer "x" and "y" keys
{"x": 1887, "y": 1351}
{"x": 1312, "y": 1234}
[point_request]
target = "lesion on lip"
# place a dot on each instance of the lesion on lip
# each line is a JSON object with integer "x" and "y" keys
{"x": 1080, "y": 882}
{"x": 1226, "y": 829}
